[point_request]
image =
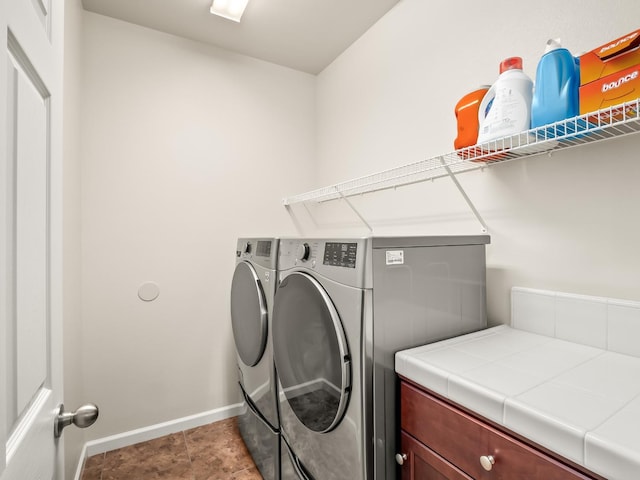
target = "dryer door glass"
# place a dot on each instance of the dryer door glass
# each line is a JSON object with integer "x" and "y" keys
{"x": 248, "y": 314}
{"x": 311, "y": 352}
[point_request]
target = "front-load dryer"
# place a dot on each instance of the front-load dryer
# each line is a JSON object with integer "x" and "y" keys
{"x": 342, "y": 309}
{"x": 318, "y": 315}
{"x": 252, "y": 292}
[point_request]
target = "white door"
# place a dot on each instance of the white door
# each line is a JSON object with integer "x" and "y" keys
{"x": 31, "y": 40}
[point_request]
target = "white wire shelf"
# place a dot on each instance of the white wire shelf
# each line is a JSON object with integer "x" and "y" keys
{"x": 612, "y": 122}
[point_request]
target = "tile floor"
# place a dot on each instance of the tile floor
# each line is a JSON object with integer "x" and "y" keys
{"x": 212, "y": 452}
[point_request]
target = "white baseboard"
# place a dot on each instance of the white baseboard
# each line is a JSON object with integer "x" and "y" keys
{"x": 144, "y": 434}
{"x": 83, "y": 456}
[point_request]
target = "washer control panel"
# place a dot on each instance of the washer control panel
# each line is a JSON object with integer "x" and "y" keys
{"x": 260, "y": 251}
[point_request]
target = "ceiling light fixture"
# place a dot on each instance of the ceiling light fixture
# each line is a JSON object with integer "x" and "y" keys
{"x": 230, "y": 9}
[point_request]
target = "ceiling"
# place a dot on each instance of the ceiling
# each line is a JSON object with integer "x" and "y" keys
{"x": 305, "y": 35}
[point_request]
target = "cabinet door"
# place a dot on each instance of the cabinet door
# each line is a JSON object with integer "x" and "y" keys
{"x": 424, "y": 464}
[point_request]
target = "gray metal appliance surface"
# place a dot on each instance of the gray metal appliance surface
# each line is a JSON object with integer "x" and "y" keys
{"x": 252, "y": 292}
{"x": 342, "y": 309}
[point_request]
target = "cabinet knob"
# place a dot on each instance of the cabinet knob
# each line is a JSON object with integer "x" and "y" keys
{"x": 487, "y": 462}
{"x": 401, "y": 458}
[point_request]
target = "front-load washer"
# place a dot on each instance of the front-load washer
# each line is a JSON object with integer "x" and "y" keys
{"x": 252, "y": 291}
{"x": 342, "y": 309}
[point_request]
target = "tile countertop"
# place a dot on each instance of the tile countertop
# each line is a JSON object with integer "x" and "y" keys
{"x": 580, "y": 401}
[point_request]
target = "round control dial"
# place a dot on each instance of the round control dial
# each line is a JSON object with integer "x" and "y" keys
{"x": 246, "y": 248}
{"x": 303, "y": 252}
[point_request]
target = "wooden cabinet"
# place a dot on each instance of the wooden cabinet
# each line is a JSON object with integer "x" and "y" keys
{"x": 423, "y": 463}
{"x": 443, "y": 442}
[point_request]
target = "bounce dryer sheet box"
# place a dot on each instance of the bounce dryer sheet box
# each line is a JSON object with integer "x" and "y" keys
{"x": 610, "y": 74}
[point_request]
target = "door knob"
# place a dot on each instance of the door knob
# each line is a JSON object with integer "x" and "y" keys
{"x": 83, "y": 417}
{"x": 401, "y": 458}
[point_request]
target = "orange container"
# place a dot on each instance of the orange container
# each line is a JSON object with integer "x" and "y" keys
{"x": 467, "y": 116}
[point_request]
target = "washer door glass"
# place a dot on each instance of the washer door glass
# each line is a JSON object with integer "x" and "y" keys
{"x": 248, "y": 314}
{"x": 311, "y": 352}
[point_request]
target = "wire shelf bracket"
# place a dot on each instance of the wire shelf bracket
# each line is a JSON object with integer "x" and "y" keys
{"x": 355, "y": 210}
{"x": 470, "y": 204}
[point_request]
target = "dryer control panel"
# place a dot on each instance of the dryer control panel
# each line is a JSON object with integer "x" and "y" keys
{"x": 343, "y": 260}
{"x": 340, "y": 254}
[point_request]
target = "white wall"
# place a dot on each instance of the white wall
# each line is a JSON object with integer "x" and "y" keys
{"x": 184, "y": 148}
{"x": 566, "y": 223}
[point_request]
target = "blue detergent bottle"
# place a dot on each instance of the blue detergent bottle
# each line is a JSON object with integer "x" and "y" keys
{"x": 555, "y": 96}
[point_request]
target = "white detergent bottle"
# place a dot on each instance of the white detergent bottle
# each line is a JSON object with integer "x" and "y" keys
{"x": 506, "y": 108}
